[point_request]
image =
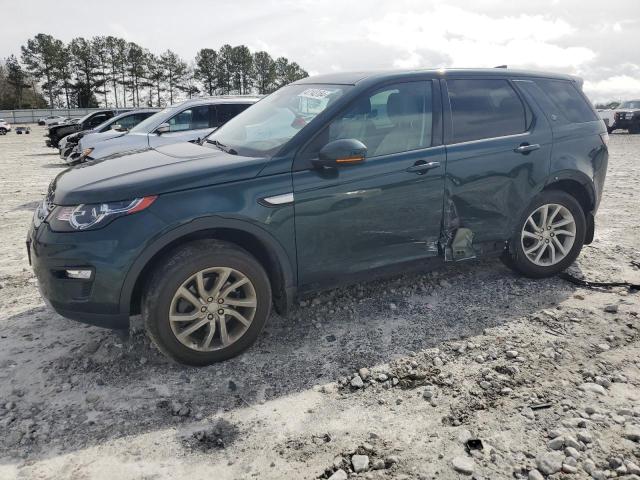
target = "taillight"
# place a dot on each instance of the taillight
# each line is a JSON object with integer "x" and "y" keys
{"x": 605, "y": 138}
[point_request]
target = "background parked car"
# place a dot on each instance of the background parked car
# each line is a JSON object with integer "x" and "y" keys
{"x": 4, "y": 127}
{"x": 52, "y": 120}
{"x": 189, "y": 121}
{"x": 21, "y": 130}
{"x": 89, "y": 121}
{"x": 114, "y": 127}
{"x": 608, "y": 117}
{"x": 627, "y": 116}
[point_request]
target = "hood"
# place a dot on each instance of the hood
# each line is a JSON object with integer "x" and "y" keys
{"x": 71, "y": 127}
{"x": 124, "y": 142}
{"x": 91, "y": 138}
{"x": 169, "y": 168}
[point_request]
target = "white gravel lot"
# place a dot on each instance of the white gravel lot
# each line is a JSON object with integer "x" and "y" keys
{"x": 539, "y": 372}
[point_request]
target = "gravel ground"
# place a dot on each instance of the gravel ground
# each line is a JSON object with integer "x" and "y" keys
{"x": 467, "y": 372}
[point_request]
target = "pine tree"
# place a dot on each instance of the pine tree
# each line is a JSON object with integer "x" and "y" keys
{"x": 175, "y": 70}
{"x": 206, "y": 69}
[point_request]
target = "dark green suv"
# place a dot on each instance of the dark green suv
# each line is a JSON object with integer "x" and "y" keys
{"x": 330, "y": 180}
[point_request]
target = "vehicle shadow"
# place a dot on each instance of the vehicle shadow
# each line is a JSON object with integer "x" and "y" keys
{"x": 88, "y": 385}
{"x": 27, "y": 206}
{"x": 55, "y": 165}
{"x": 45, "y": 154}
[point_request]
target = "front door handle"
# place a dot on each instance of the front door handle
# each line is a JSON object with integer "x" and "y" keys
{"x": 421, "y": 167}
{"x": 525, "y": 148}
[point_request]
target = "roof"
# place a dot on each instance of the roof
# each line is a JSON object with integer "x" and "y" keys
{"x": 352, "y": 78}
{"x": 221, "y": 99}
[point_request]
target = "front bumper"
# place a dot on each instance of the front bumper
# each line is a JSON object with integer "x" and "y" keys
{"x": 95, "y": 301}
{"x": 626, "y": 123}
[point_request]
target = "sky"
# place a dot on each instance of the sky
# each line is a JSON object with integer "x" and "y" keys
{"x": 595, "y": 39}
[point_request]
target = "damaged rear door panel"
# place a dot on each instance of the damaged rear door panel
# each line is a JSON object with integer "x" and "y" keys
{"x": 498, "y": 152}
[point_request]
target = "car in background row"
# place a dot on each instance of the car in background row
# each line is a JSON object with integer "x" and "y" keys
{"x": 89, "y": 121}
{"x": 627, "y": 116}
{"x": 20, "y": 130}
{"x": 52, "y": 120}
{"x": 608, "y": 117}
{"x": 4, "y": 126}
{"x": 189, "y": 121}
{"x": 114, "y": 127}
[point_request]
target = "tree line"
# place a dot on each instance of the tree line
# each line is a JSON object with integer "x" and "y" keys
{"x": 108, "y": 71}
{"x": 18, "y": 89}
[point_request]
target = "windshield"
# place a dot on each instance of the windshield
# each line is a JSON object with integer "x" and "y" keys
{"x": 263, "y": 128}
{"x": 146, "y": 124}
{"x": 631, "y": 104}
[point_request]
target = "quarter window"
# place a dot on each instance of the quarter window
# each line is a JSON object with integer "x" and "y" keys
{"x": 485, "y": 109}
{"x": 396, "y": 118}
{"x": 567, "y": 100}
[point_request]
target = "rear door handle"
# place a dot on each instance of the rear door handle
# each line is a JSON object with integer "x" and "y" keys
{"x": 526, "y": 148}
{"x": 421, "y": 167}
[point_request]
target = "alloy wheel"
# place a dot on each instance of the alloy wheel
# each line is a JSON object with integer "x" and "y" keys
{"x": 212, "y": 309}
{"x": 548, "y": 235}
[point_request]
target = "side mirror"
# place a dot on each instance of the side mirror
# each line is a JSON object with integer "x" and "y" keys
{"x": 163, "y": 128}
{"x": 117, "y": 128}
{"x": 346, "y": 151}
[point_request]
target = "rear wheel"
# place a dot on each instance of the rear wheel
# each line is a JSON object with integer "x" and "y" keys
{"x": 549, "y": 237}
{"x": 3, "y": 131}
{"x": 207, "y": 303}
{"x": 634, "y": 128}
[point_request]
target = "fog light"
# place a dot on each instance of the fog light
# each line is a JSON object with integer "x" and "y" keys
{"x": 80, "y": 274}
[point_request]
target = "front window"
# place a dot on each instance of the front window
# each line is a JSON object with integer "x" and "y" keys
{"x": 265, "y": 127}
{"x": 146, "y": 125}
{"x": 635, "y": 104}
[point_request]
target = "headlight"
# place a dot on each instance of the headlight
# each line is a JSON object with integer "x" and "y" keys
{"x": 96, "y": 215}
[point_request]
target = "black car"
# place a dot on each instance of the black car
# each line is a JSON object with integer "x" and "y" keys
{"x": 627, "y": 116}
{"x": 330, "y": 180}
{"x": 56, "y": 133}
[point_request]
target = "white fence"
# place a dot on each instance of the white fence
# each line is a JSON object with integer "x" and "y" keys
{"x": 32, "y": 116}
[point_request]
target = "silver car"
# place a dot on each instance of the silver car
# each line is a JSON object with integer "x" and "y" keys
{"x": 189, "y": 121}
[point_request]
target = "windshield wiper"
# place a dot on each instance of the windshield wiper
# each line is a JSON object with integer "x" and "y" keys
{"x": 222, "y": 147}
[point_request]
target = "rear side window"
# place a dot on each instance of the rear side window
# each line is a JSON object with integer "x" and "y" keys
{"x": 567, "y": 100}
{"x": 485, "y": 109}
{"x": 226, "y": 111}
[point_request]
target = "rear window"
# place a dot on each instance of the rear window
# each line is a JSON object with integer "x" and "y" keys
{"x": 485, "y": 109}
{"x": 568, "y": 101}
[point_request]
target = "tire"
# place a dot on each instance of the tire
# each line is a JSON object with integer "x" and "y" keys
{"x": 161, "y": 298}
{"x": 522, "y": 261}
{"x": 610, "y": 130}
{"x": 3, "y": 131}
{"x": 634, "y": 129}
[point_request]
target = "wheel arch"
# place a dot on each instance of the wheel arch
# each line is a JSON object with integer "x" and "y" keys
{"x": 261, "y": 244}
{"x": 582, "y": 190}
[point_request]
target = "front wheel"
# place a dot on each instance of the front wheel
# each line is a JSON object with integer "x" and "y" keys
{"x": 3, "y": 131}
{"x": 549, "y": 237}
{"x": 208, "y": 302}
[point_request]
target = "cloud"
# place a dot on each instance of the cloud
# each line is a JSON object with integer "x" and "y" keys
{"x": 595, "y": 40}
{"x": 620, "y": 87}
{"x": 477, "y": 40}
